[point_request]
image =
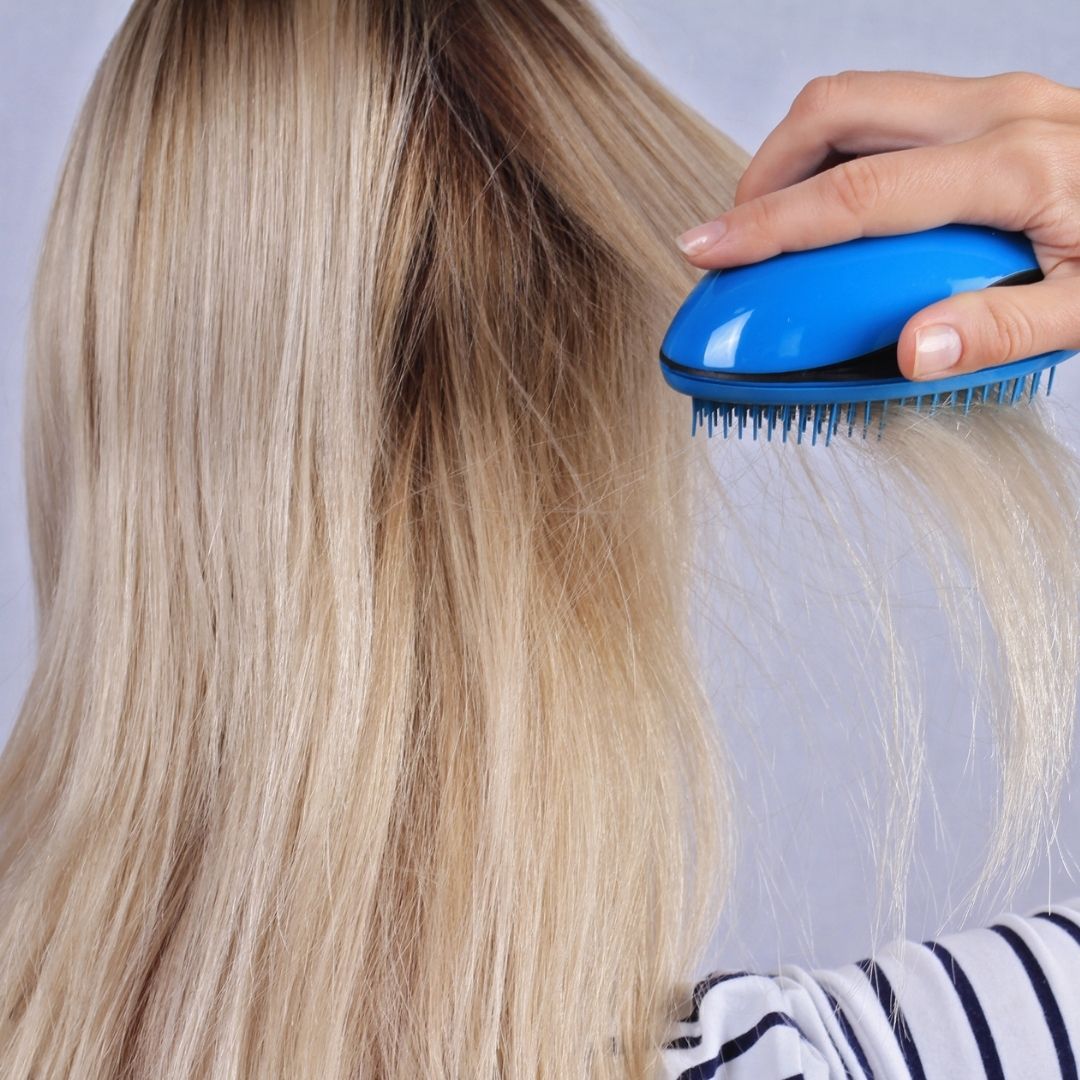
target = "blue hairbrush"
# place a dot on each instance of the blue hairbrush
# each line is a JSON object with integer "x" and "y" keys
{"x": 807, "y": 339}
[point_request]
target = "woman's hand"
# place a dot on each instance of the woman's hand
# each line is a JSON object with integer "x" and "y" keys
{"x": 1003, "y": 150}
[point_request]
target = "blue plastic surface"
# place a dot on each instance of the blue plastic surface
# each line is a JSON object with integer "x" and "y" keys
{"x": 804, "y": 310}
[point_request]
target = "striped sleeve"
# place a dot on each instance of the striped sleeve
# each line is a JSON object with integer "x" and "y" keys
{"x": 999, "y": 1001}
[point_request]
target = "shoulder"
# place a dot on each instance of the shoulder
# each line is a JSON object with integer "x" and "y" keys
{"x": 1000, "y": 1001}
{"x": 747, "y": 1024}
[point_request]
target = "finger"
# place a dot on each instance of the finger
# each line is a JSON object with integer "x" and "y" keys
{"x": 995, "y": 179}
{"x": 870, "y": 112}
{"x": 974, "y": 330}
{"x": 866, "y": 112}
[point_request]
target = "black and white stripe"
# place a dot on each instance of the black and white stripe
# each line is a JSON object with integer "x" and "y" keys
{"x": 969, "y": 1001}
{"x": 1000, "y": 1002}
{"x": 1051, "y": 1010}
{"x": 891, "y": 1007}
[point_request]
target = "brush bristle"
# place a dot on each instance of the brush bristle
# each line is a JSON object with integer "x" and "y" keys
{"x": 825, "y": 419}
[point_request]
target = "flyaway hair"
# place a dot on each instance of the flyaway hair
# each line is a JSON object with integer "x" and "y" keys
{"x": 366, "y": 737}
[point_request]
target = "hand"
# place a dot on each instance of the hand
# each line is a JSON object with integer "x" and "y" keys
{"x": 1001, "y": 150}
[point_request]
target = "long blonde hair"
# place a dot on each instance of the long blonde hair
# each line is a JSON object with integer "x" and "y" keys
{"x": 367, "y": 736}
{"x": 364, "y": 738}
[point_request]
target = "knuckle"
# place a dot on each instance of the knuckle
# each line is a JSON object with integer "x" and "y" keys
{"x": 1042, "y": 154}
{"x": 858, "y": 185}
{"x": 1060, "y": 161}
{"x": 1012, "y": 330}
{"x": 1025, "y": 132}
{"x": 1028, "y": 86}
{"x": 822, "y": 93}
{"x": 764, "y": 213}
{"x": 1061, "y": 215}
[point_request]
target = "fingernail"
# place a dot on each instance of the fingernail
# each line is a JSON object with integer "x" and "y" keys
{"x": 702, "y": 237}
{"x": 937, "y": 348}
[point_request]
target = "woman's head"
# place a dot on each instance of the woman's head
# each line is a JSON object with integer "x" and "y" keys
{"x": 364, "y": 736}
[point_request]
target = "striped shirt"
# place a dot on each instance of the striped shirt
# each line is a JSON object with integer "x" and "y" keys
{"x": 1000, "y": 1002}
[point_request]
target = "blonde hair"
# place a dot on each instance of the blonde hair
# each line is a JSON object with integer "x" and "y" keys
{"x": 366, "y": 735}
{"x": 363, "y": 737}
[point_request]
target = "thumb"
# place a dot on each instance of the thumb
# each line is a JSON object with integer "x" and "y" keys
{"x": 991, "y": 326}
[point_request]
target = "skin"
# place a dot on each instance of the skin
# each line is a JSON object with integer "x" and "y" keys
{"x": 870, "y": 153}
